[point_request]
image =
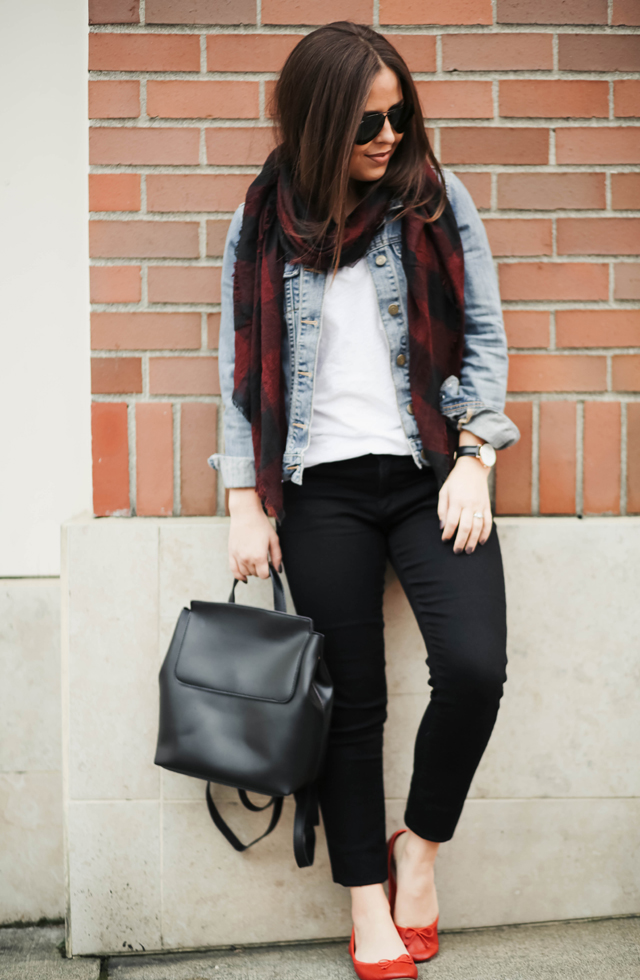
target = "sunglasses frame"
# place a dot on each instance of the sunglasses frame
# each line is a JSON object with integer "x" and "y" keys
{"x": 406, "y": 114}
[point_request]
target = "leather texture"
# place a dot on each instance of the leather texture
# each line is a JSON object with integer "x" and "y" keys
{"x": 402, "y": 968}
{"x": 245, "y": 700}
{"x": 421, "y": 943}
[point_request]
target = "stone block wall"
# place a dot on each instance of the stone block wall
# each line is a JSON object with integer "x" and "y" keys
{"x": 533, "y": 103}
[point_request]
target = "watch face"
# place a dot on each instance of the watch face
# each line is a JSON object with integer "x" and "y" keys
{"x": 487, "y": 454}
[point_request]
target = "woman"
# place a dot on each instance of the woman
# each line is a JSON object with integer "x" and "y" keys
{"x": 368, "y": 347}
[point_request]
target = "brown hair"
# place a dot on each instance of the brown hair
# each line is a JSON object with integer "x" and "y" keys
{"x": 318, "y": 103}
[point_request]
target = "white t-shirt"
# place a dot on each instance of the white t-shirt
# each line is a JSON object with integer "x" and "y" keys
{"x": 355, "y": 409}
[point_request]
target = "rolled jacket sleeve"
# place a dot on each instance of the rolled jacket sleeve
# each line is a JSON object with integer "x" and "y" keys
{"x": 236, "y": 465}
{"x": 476, "y": 401}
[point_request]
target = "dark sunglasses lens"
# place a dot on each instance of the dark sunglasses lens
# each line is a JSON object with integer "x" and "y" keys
{"x": 369, "y": 128}
{"x": 400, "y": 116}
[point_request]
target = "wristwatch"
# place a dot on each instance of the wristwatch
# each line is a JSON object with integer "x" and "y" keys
{"x": 485, "y": 453}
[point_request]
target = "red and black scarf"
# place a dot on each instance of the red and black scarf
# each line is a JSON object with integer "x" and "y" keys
{"x": 433, "y": 262}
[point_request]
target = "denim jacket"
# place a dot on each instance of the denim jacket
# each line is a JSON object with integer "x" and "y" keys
{"x": 474, "y": 402}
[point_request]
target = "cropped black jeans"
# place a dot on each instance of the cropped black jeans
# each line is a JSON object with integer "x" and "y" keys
{"x": 340, "y": 527}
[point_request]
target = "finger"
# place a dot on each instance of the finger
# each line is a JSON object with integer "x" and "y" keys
{"x": 443, "y": 504}
{"x": 464, "y": 529}
{"x": 474, "y": 534}
{"x": 275, "y": 551}
{"x": 486, "y": 527}
{"x": 451, "y": 519}
{"x": 241, "y": 571}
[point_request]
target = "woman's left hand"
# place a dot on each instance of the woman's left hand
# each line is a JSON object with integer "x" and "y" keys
{"x": 464, "y": 494}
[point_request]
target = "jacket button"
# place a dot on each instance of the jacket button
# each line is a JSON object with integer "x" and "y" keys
{"x": 394, "y": 309}
{"x": 401, "y": 360}
{"x": 423, "y": 454}
{"x": 381, "y": 259}
{"x": 410, "y": 408}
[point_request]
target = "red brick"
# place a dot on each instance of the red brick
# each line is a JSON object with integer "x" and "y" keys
{"x": 601, "y": 491}
{"x": 626, "y": 98}
{"x": 479, "y": 186}
{"x": 184, "y": 376}
{"x": 143, "y": 146}
{"x": 115, "y": 283}
{"x": 418, "y": 50}
{"x": 116, "y": 375}
{"x": 557, "y": 372}
{"x": 114, "y": 192}
{"x": 496, "y": 52}
{"x": 249, "y": 52}
{"x": 598, "y": 328}
{"x": 625, "y": 191}
{"x": 626, "y": 372}
{"x": 114, "y": 12}
{"x": 213, "y": 330}
{"x": 549, "y": 98}
{"x": 200, "y": 12}
{"x": 435, "y": 12}
{"x": 216, "y": 236}
{"x": 519, "y": 236}
{"x": 513, "y": 467}
{"x": 144, "y": 52}
{"x": 627, "y": 280}
{"x": 203, "y": 100}
{"x": 527, "y": 328}
{"x": 598, "y": 236}
{"x": 196, "y": 192}
{"x": 145, "y": 331}
{"x": 146, "y": 239}
{"x": 551, "y": 191}
{"x": 154, "y": 459}
{"x": 476, "y": 144}
{"x": 184, "y": 284}
{"x": 598, "y": 145}
{"x": 552, "y": 11}
{"x": 456, "y": 100}
{"x": 110, "y": 453}
{"x": 557, "y": 458}
{"x": 554, "y": 280}
{"x": 114, "y": 100}
{"x": 312, "y": 12}
{"x": 198, "y": 440}
{"x": 239, "y": 146}
{"x": 626, "y": 12}
{"x": 598, "y": 52}
{"x": 633, "y": 458}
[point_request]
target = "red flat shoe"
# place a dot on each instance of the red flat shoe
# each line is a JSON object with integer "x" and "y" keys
{"x": 422, "y": 944}
{"x": 402, "y": 968}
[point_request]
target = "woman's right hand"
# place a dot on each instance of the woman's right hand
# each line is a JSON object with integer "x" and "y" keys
{"x": 252, "y": 539}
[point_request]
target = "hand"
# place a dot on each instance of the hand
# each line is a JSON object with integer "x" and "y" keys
{"x": 252, "y": 538}
{"x": 465, "y": 493}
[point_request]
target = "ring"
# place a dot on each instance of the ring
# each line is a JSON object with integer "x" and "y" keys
{"x": 479, "y": 516}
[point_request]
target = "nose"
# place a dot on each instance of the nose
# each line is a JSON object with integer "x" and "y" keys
{"x": 386, "y": 134}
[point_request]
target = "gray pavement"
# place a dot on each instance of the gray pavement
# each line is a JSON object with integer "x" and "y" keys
{"x": 604, "y": 949}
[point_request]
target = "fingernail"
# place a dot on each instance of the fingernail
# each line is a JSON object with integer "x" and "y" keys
{"x": 469, "y": 551}
{"x": 457, "y": 551}
{"x": 441, "y": 524}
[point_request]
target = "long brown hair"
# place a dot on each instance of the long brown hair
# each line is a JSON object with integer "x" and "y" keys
{"x": 318, "y": 103}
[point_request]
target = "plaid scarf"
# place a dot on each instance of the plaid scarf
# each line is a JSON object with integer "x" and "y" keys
{"x": 432, "y": 258}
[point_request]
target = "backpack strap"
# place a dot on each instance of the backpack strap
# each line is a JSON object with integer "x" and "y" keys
{"x": 306, "y": 820}
{"x": 226, "y": 831}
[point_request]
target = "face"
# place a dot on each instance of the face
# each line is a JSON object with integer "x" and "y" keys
{"x": 369, "y": 162}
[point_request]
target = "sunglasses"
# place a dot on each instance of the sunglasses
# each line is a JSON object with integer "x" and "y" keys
{"x": 372, "y": 122}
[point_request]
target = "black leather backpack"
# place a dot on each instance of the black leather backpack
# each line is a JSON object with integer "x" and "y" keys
{"x": 245, "y": 700}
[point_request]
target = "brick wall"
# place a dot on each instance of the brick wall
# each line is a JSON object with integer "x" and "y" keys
{"x": 533, "y": 103}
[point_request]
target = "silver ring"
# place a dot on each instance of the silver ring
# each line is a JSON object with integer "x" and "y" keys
{"x": 479, "y": 516}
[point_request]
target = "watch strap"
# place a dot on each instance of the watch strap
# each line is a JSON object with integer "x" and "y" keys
{"x": 468, "y": 451}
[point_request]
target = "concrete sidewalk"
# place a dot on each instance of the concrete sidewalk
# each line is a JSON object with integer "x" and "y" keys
{"x": 604, "y": 949}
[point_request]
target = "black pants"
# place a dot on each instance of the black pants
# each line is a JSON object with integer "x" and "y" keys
{"x": 339, "y": 529}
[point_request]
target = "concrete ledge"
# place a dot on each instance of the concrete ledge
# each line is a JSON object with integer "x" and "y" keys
{"x": 549, "y": 831}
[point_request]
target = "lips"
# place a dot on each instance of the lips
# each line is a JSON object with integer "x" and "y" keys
{"x": 378, "y": 157}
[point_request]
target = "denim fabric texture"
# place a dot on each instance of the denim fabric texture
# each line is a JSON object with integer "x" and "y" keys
{"x": 475, "y": 401}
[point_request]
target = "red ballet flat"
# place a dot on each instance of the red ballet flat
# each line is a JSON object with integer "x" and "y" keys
{"x": 402, "y": 968}
{"x": 422, "y": 944}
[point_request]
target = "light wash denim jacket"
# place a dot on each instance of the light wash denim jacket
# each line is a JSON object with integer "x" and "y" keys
{"x": 475, "y": 402}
